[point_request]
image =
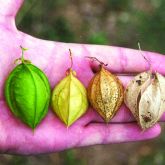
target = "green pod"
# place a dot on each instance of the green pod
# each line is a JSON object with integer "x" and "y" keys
{"x": 27, "y": 92}
{"x": 69, "y": 99}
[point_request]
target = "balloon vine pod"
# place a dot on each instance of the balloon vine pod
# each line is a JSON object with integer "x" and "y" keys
{"x": 145, "y": 97}
{"x": 27, "y": 92}
{"x": 69, "y": 97}
{"x": 105, "y": 92}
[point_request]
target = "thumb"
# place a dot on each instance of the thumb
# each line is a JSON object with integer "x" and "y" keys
{"x": 9, "y": 8}
{"x": 8, "y": 11}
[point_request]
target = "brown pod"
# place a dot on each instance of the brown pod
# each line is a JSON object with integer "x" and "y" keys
{"x": 105, "y": 93}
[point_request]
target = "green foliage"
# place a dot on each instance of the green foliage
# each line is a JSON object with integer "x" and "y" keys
{"x": 35, "y": 18}
{"x": 70, "y": 158}
{"x": 118, "y": 4}
{"x": 98, "y": 38}
{"x": 131, "y": 24}
{"x": 156, "y": 157}
{"x": 18, "y": 160}
{"x": 63, "y": 30}
{"x": 152, "y": 27}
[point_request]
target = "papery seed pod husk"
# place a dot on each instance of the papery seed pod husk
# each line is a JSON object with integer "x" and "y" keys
{"x": 105, "y": 93}
{"x": 69, "y": 99}
{"x": 161, "y": 80}
{"x": 133, "y": 90}
{"x": 145, "y": 97}
{"x": 27, "y": 92}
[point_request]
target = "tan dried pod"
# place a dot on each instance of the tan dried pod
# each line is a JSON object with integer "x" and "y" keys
{"x": 145, "y": 97}
{"x": 133, "y": 91}
{"x": 105, "y": 92}
{"x": 149, "y": 105}
{"x": 161, "y": 80}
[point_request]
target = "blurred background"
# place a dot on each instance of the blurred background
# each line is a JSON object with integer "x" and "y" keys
{"x": 111, "y": 22}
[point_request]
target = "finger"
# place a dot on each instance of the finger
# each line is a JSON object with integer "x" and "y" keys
{"x": 116, "y": 133}
{"x": 114, "y": 56}
{"x": 9, "y": 8}
{"x": 8, "y": 11}
{"x": 124, "y": 60}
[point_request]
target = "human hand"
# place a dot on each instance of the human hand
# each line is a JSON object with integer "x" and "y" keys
{"x": 53, "y": 58}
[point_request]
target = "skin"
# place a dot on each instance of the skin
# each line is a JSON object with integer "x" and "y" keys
{"x": 53, "y": 58}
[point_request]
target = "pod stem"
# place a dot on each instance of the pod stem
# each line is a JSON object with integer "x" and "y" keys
{"x": 71, "y": 59}
{"x": 21, "y": 59}
{"x": 149, "y": 63}
{"x": 95, "y": 59}
{"x": 69, "y": 70}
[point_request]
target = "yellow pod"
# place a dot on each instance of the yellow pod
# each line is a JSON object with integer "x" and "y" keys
{"x": 69, "y": 99}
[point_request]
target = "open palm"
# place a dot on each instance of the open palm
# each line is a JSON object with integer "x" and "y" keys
{"x": 53, "y": 58}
